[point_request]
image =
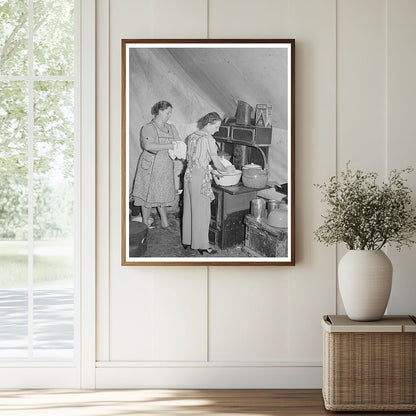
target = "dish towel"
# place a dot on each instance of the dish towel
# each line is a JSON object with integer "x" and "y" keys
{"x": 178, "y": 151}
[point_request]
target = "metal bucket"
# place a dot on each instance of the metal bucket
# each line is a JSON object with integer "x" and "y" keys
{"x": 243, "y": 113}
{"x": 258, "y": 208}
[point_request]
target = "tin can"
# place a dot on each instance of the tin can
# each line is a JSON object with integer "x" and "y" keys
{"x": 272, "y": 204}
{"x": 258, "y": 208}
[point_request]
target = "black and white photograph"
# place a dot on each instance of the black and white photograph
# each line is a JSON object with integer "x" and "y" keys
{"x": 208, "y": 152}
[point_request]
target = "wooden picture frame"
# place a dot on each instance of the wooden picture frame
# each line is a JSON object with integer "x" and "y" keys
{"x": 250, "y": 84}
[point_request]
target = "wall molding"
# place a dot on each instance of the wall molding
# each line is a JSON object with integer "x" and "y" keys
{"x": 103, "y": 179}
{"x": 207, "y": 377}
{"x": 204, "y": 364}
{"x": 87, "y": 195}
{"x": 41, "y": 377}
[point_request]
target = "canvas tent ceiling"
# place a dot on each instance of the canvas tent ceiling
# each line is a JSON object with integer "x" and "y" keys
{"x": 199, "y": 80}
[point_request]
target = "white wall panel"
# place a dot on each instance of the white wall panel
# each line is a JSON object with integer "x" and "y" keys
{"x": 159, "y": 316}
{"x": 361, "y": 84}
{"x": 248, "y": 19}
{"x": 401, "y": 142}
{"x": 180, "y": 18}
{"x": 248, "y": 305}
{"x": 147, "y": 19}
{"x": 180, "y": 308}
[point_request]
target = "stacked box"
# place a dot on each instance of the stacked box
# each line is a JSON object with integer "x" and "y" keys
{"x": 369, "y": 366}
{"x": 264, "y": 240}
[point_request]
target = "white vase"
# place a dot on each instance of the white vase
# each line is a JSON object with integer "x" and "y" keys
{"x": 364, "y": 278}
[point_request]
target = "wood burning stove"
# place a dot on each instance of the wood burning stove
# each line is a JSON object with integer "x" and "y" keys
{"x": 232, "y": 203}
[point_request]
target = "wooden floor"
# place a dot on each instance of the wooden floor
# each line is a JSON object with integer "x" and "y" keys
{"x": 165, "y": 402}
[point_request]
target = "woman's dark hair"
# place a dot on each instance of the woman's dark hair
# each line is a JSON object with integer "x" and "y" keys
{"x": 209, "y": 118}
{"x": 160, "y": 105}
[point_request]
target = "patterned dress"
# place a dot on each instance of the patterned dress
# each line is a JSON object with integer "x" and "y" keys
{"x": 154, "y": 184}
{"x": 197, "y": 190}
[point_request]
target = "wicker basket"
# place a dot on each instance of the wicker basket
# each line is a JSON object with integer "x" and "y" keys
{"x": 369, "y": 366}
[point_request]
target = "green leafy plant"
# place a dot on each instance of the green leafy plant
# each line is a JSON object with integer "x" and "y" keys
{"x": 364, "y": 214}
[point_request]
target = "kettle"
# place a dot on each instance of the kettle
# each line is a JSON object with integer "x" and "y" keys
{"x": 243, "y": 113}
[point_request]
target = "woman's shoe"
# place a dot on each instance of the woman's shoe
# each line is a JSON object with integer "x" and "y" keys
{"x": 150, "y": 222}
{"x": 185, "y": 246}
{"x": 208, "y": 250}
{"x": 165, "y": 226}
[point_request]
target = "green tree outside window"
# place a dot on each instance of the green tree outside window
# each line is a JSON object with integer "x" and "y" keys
{"x": 51, "y": 56}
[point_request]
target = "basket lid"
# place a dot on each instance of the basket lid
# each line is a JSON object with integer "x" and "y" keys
{"x": 390, "y": 323}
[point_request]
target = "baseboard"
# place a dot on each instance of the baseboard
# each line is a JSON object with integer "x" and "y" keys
{"x": 170, "y": 375}
{"x": 210, "y": 377}
{"x": 39, "y": 378}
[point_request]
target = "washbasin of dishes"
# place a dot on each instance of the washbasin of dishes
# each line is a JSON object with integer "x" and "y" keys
{"x": 226, "y": 179}
{"x": 229, "y": 178}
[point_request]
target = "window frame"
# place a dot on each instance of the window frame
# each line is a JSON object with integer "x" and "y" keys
{"x": 81, "y": 371}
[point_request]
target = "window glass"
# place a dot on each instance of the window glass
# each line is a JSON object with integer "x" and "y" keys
{"x": 53, "y": 226}
{"x": 13, "y": 37}
{"x": 14, "y": 322}
{"x": 37, "y": 182}
{"x": 13, "y": 181}
{"x": 53, "y": 37}
{"x": 53, "y": 323}
{"x": 13, "y": 219}
{"x": 53, "y": 180}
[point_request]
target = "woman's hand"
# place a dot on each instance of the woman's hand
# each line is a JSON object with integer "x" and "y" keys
{"x": 156, "y": 147}
{"x": 217, "y": 173}
{"x": 230, "y": 169}
{"x": 216, "y": 160}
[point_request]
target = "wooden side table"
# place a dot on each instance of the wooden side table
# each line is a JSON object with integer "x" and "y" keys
{"x": 228, "y": 209}
{"x": 369, "y": 366}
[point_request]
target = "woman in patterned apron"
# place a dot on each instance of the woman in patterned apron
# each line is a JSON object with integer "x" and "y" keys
{"x": 154, "y": 184}
{"x": 202, "y": 149}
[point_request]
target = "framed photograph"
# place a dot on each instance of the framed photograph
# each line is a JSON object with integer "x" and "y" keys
{"x": 208, "y": 151}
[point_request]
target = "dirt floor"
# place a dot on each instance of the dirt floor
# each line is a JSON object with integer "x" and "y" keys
{"x": 167, "y": 242}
